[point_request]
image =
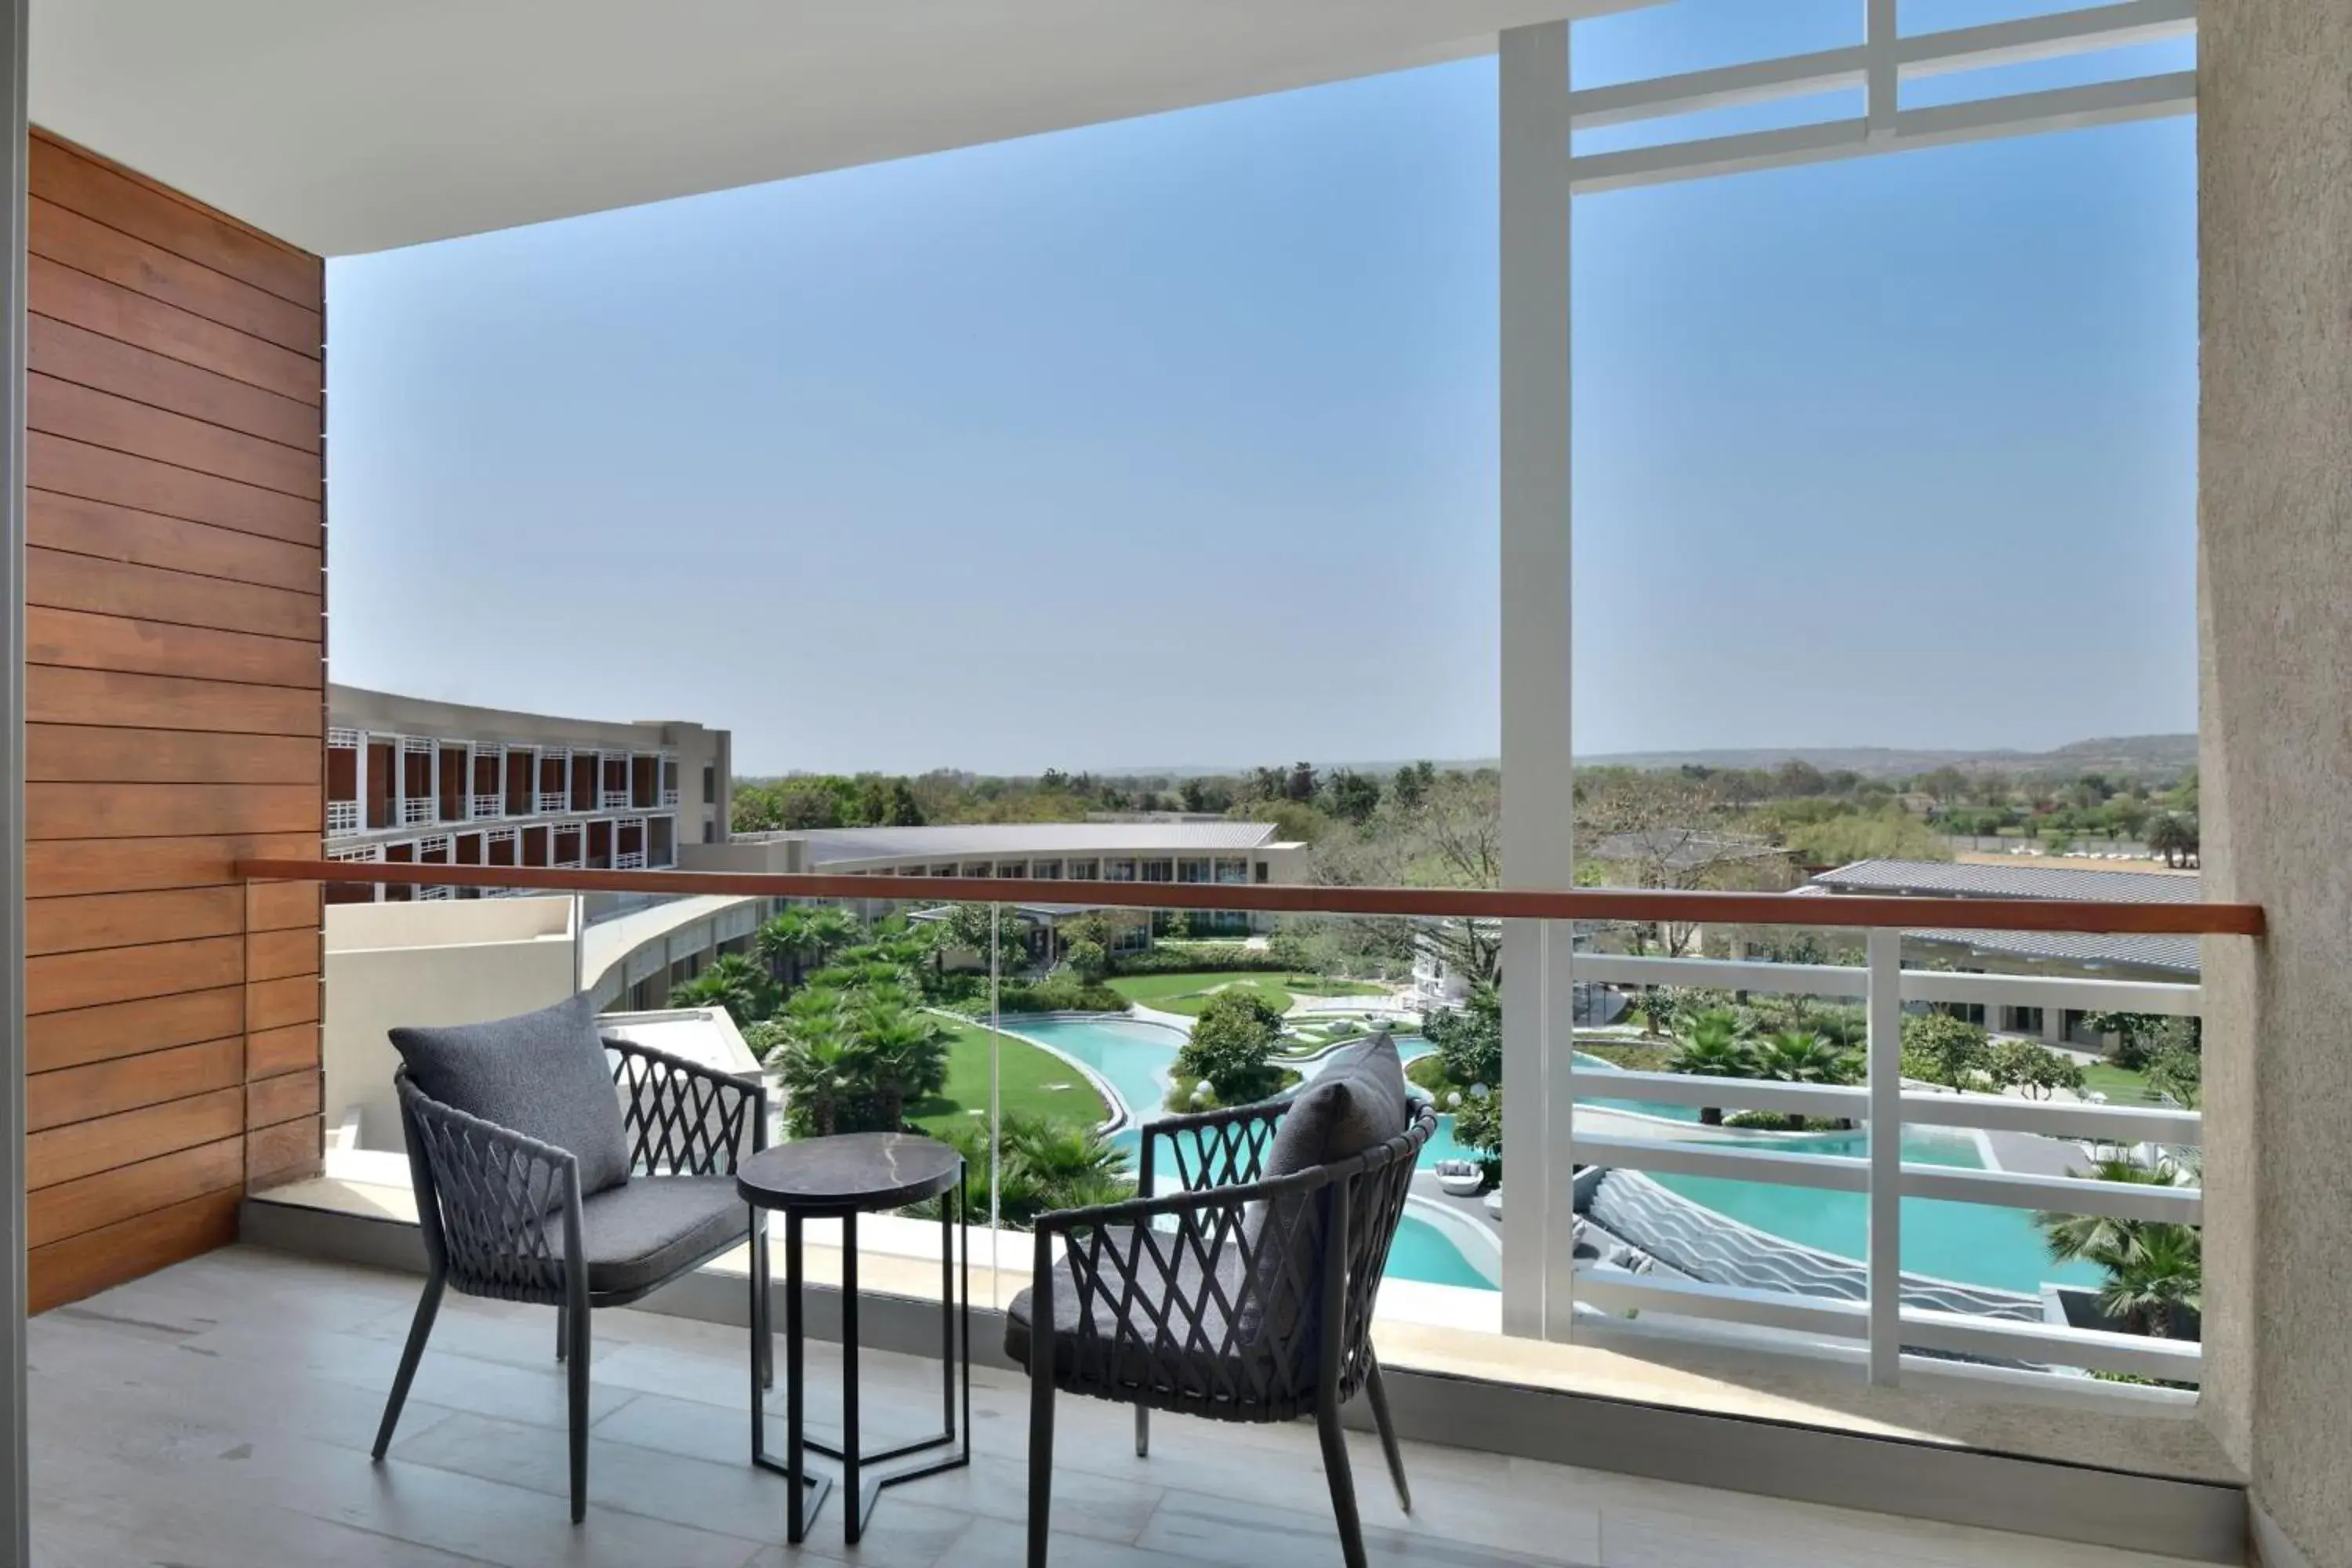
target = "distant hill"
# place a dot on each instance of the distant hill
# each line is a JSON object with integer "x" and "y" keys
{"x": 2145, "y": 756}
{"x": 2153, "y": 758}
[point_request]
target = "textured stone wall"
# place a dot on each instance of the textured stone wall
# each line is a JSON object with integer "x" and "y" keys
{"x": 2274, "y": 143}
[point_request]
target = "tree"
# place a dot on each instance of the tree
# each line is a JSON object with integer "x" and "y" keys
{"x": 1352, "y": 796}
{"x": 1042, "y": 1165}
{"x": 800, "y": 936}
{"x": 900, "y": 1056}
{"x": 2152, "y": 1266}
{"x": 1176, "y": 925}
{"x": 1943, "y": 1049}
{"x": 2178, "y": 1073}
{"x": 732, "y": 982}
{"x": 2173, "y": 836}
{"x": 2165, "y": 1276}
{"x": 818, "y": 1070}
{"x": 1469, "y": 1039}
{"x": 1800, "y": 1056}
{"x": 1412, "y": 783}
{"x": 1086, "y": 959}
{"x": 1478, "y": 1125}
{"x": 2135, "y": 1034}
{"x": 1206, "y": 796}
{"x": 1893, "y": 835}
{"x": 1232, "y": 1047}
{"x": 2034, "y": 1071}
{"x": 1709, "y": 1046}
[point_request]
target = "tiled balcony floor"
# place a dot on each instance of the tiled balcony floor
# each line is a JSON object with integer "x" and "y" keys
{"x": 219, "y": 1413}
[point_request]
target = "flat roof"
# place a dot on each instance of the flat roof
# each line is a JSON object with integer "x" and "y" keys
{"x": 1025, "y": 840}
{"x": 347, "y": 128}
{"x": 2024, "y": 880}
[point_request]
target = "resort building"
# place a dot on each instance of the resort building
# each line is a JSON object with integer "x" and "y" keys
{"x": 2071, "y": 954}
{"x": 1215, "y": 851}
{"x": 418, "y": 781}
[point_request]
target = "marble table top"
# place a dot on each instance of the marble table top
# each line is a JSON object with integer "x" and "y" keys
{"x": 849, "y": 1171}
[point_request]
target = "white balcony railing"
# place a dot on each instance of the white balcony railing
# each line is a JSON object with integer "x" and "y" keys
{"x": 554, "y": 800}
{"x": 629, "y": 861}
{"x": 1884, "y": 1322}
{"x": 342, "y": 816}
{"x": 617, "y": 800}
{"x": 489, "y": 806}
{"x": 417, "y": 808}
{"x": 670, "y": 797}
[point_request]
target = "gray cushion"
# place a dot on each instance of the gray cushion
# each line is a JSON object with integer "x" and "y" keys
{"x": 642, "y": 1234}
{"x": 1186, "y": 1349}
{"x": 543, "y": 1075}
{"x": 1357, "y": 1102}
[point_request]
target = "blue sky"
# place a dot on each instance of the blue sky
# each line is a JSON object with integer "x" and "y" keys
{"x": 1173, "y": 441}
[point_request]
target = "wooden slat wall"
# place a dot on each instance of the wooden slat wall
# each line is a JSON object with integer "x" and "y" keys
{"x": 176, "y": 695}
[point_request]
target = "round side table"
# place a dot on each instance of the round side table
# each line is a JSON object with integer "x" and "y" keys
{"x": 840, "y": 1178}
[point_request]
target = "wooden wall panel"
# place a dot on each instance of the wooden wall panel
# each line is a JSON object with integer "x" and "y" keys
{"x": 175, "y": 692}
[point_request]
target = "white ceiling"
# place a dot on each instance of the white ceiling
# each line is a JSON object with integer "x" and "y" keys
{"x": 357, "y": 125}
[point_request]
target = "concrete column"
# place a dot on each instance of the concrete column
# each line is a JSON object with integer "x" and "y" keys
{"x": 2054, "y": 1025}
{"x": 2274, "y": 613}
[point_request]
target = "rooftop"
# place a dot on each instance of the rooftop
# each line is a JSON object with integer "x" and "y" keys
{"x": 829, "y": 845}
{"x": 2019, "y": 881}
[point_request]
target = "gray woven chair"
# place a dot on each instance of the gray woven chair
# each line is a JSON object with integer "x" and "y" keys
{"x": 503, "y": 1214}
{"x": 1242, "y": 1297}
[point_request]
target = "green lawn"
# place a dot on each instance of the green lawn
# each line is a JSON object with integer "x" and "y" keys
{"x": 2122, "y": 1086}
{"x": 1317, "y": 986}
{"x": 1031, "y": 1080}
{"x": 1188, "y": 994}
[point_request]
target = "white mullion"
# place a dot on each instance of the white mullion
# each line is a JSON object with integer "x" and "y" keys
{"x": 1537, "y": 766}
{"x": 1880, "y": 80}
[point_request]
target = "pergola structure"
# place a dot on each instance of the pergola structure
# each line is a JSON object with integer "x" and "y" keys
{"x": 337, "y": 129}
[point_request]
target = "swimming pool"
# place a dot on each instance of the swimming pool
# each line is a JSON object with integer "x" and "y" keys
{"x": 1975, "y": 1244}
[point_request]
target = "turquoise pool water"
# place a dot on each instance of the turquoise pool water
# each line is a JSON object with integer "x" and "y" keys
{"x": 1421, "y": 1251}
{"x": 1975, "y": 1244}
{"x": 1972, "y": 1243}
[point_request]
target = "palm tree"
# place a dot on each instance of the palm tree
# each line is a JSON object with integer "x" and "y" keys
{"x": 787, "y": 941}
{"x": 2103, "y": 1239}
{"x": 1709, "y": 1047}
{"x": 1800, "y": 1056}
{"x": 903, "y": 1057}
{"x": 831, "y": 927}
{"x": 732, "y": 982}
{"x": 2165, "y": 1276}
{"x": 819, "y": 1072}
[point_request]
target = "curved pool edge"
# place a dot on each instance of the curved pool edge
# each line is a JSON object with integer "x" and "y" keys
{"x": 1121, "y": 1113}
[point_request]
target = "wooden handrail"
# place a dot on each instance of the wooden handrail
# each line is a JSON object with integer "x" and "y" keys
{"x": 1838, "y": 912}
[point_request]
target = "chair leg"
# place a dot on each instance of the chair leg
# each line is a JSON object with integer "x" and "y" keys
{"x": 419, "y": 1331}
{"x": 1143, "y": 1432}
{"x": 1378, "y": 1397}
{"x": 1343, "y": 1485}
{"x": 562, "y": 1332}
{"x": 1041, "y": 1458}
{"x": 578, "y": 1323}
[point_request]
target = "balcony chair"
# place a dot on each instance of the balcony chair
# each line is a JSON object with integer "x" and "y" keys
{"x": 555, "y": 1166}
{"x": 1245, "y": 1296}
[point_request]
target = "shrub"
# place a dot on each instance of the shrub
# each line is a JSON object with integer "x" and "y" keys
{"x": 1478, "y": 1125}
{"x": 1232, "y": 1047}
{"x": 1469, "y": 1040}
{"x": 2038, "y": 1071}
{"x": 1945, "y": 1049}
{"x": 1201, "y": 961}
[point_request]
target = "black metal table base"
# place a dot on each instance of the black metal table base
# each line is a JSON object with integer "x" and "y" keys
{"x": 860, "y": 1485}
